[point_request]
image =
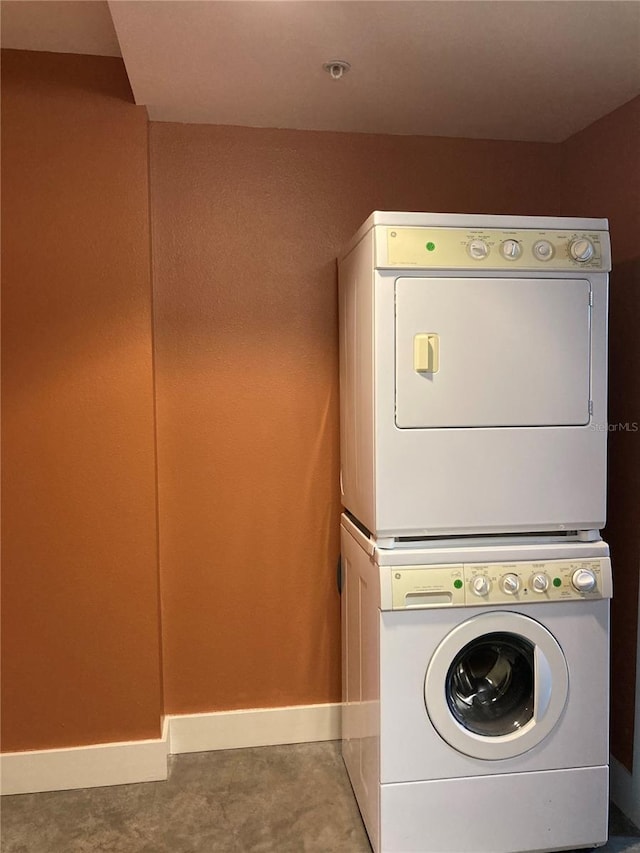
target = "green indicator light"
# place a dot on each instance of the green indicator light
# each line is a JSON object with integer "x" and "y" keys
{"x": 430, "y": 246}
{"x": 557, "y": 582}
{"x": 457, "y": 584}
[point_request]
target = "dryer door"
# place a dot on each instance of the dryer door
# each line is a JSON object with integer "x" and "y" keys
{"x": 492, "y": 352}
{"x": 496, "y": 685}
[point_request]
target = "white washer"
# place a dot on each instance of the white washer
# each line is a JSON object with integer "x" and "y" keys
{"x": 475, "y": 693}
{"x": 473, "y": 374}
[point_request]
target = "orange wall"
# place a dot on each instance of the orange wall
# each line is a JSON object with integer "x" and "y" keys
{"x": 246, "y": 227}
{"x": 601, "y": 166}
{"x": 80, "y": 588}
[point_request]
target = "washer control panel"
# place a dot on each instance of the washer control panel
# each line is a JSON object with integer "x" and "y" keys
{"x": 473, "y": 584}
{"x": 489, "y": 248}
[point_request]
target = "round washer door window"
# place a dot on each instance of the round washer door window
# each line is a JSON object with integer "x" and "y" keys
{"x": 496, "y": 685}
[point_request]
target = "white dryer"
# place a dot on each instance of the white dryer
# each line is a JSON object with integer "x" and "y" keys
{"x": 473, "y": 359}
{"x": 475, "y": 692}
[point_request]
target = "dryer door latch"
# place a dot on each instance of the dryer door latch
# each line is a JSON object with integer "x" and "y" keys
{"x": 426, "y": 353}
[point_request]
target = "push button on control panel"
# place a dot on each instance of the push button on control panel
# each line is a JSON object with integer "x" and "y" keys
{"x": 543, "y": 250}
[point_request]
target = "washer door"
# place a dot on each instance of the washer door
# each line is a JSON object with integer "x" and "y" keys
{"x": 496, "y": 685}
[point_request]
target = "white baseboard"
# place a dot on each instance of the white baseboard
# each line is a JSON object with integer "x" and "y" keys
{"x": 253, "y": 727}
{"x": 625, "y": 790}
{"x": 103, "y": 764}
{"x": 90, "y": 766}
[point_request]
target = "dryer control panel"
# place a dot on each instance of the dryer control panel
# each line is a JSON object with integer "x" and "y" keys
{"x": 493, "y": 249}
{"x": 473, "y": 584}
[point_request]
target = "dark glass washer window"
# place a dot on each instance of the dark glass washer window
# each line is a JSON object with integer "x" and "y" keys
{"x": 490, "y": 684}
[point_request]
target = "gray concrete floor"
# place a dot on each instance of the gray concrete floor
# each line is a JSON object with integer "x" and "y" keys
{"x": 280, "y": 799}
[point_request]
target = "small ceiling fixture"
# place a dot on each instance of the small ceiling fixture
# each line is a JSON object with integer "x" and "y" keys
{"x": 337, "y": 68}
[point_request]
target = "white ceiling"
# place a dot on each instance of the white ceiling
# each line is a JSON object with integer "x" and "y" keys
{"x": 523, "y": 69}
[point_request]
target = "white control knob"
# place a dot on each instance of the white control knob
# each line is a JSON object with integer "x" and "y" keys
{"x": 543, "y": 250}
{"x": 540, "y": 582}
{"x": 481, "y": 585}
{"x": 584, "y": 580}
{"x": 510, "y": 584}
{"x": 478, "y": 250}
{"x": 511, "y": 250}
{"x": 581, "y": 249}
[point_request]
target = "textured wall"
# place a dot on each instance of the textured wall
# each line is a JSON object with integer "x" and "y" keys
{"x": 80, "y": 632}
{"x": 246, "y": 227}
{"x": 623, "y": 525}
{"x": 601, "y": 169}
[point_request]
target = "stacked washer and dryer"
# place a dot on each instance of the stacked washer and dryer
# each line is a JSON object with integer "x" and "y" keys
{"x": 475, "y": 583}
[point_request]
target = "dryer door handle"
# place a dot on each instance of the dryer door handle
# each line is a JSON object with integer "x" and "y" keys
{"x": 426, "y": 353}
